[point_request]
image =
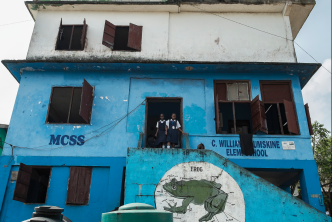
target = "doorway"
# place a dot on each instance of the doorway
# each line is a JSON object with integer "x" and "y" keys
{"x": 153, "y": 108}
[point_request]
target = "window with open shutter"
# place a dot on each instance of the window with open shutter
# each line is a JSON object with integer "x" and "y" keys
{"x": 135, "y": 37}
{"x": 109, "y": 35}
{"x": 32, "y": 184}
{"x": 22, "y": 183}
{"x": 122, "y": 38}
{"x": 78, "y": 191}
{"x": 306, "y": 107}
{"x": 86, "y": 101}
{"x": 291, "y": 117}
{"x": 258, "y": 116}
{"x": 71, "y": 37}
{"x": 280, "y": 107}
{"x": 71, "y": 104}
{"x": 232, "y": 99}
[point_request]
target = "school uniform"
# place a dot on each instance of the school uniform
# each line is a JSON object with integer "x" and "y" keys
{"x": 161, "y": 137}
{"x": 172, "y": 133}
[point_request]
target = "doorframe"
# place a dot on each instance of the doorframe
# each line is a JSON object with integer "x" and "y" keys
{"x": 146, "y": 114}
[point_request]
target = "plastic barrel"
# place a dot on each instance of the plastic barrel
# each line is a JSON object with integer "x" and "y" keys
{"x": 137, "y": 212}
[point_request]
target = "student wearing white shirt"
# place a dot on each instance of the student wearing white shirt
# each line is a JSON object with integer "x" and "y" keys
{"x": 161, "y": 133}
{"x": 172, "y": 127}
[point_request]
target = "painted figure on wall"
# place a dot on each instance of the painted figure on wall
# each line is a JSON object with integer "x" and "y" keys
{"x": 198, "y": 192}
{"x": 161, "y": 133}
{"x": 173, "y": 126}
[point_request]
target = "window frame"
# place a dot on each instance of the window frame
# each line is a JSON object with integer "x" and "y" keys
{"x": 215, "y": 82}
{"x": 281, "y": 82}
{"x": 70, "y": 105}
{"x": 130, "y": 27}
{"x": 24, "y": 200}
{"x": 84, "y": 31}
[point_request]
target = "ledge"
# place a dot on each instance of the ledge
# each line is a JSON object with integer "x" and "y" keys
{"x": 304, "y": 70}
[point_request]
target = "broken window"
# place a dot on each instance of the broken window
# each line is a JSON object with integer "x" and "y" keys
{"x": 71, "y": 37}
{"x": 280, "y": 107}
{"x": 125, "y": 38}
{"x": 71, "y": 104}
{"x": 78, "y": 191}
{"x": 32, "y": 184}
{"x": 233, "y": 110}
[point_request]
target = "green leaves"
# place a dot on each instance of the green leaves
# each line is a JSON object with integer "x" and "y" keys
{"x": 322, "y": 150}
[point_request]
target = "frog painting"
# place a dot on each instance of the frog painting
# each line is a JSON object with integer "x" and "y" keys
{"x": 197, "y": 192}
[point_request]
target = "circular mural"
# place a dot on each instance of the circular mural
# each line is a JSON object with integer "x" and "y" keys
{"x": 200, "y": 191}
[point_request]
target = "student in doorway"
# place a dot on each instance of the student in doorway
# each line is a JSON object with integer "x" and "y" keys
{"x": 172, "y": 131}
{"x": 161, "y": 133}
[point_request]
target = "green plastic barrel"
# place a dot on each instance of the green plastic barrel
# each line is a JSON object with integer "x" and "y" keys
{"x": 137, "y": 212}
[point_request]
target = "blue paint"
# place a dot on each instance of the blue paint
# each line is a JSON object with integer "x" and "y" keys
{"x": 117, "y": 92}
{"x": 264, "y": 201}
{"x": 104, "y": 191}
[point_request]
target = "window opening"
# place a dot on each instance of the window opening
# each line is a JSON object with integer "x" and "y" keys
{"x": 71, "y": 37}
{"x": 273, "y": 124}
{"x": 156, "y": 106}
{"x": 122, "y": 38}
{"x": 233, "y": 112}
{"x": 123, "y": 187}
{"x": 280, "y": 119}
{"x": 32, "y": 184}
{"x": 71, "y": 104}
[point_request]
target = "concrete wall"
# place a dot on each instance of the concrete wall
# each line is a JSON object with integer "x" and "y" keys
{"x": 186, "y": 36}
{"x": 171, "y": 174}
{"x": 105, "y": 187}
{"x": 118, "y": 93}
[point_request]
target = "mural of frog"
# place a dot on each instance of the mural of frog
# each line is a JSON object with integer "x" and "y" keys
{"x": 198, "y": 192}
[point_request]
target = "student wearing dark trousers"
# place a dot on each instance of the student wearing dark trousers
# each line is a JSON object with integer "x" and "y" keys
{"x": 172, "y": 127}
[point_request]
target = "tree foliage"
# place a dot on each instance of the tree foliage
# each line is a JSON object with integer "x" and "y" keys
{"x": 322, "y": 150}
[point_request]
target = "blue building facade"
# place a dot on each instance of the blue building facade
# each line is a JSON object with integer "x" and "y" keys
{"x": 125, "y": 97}
{"x": 81, "y": 136}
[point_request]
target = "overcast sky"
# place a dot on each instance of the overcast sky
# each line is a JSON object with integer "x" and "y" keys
{"x": 315, "y": 37}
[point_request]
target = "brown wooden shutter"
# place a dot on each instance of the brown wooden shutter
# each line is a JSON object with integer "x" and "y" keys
{"x": 258, "y": 116}
{"x": 109, "y": 35}
{"x": 78, "y": 191}
{"x": 274, "y": 92}
{"x": 216, "y": 104}
{"x": 306, "y": 107}
{"x": 221, "y": 91}
{"x": 86, "y": 101}
{"x": 85, "y": 27}
{"x": 135, "y": 37}
{"x": 293, "y": 127}
{"x": 22, "y": 183}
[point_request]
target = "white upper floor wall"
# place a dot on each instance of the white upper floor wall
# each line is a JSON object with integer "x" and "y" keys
{"x": 170, "y": 35}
